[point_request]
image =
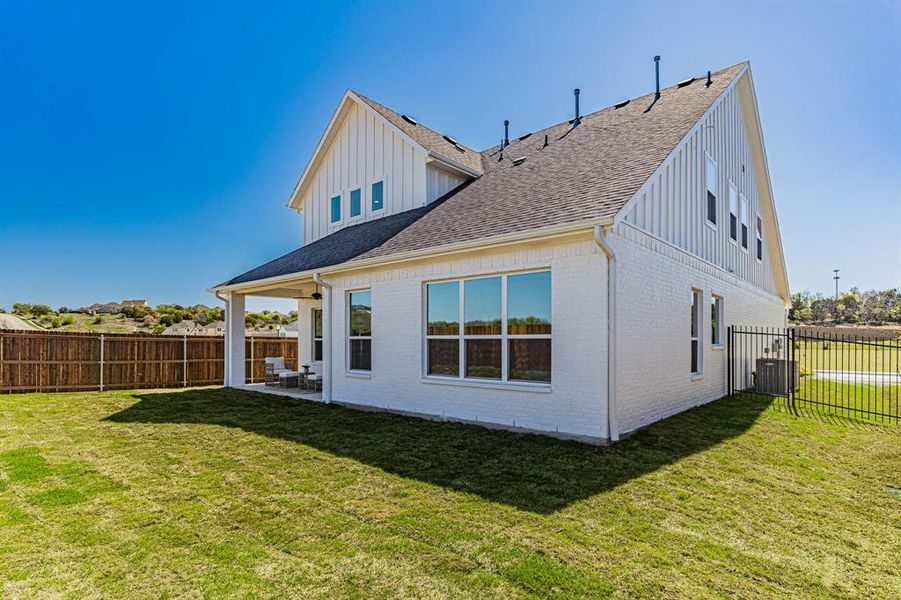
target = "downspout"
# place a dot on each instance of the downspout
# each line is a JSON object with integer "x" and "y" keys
{"x": 327, "y": 342}
{"x": 600, "y": 238}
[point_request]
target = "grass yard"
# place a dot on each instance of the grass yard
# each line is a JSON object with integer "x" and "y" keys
{"x": 221, "y": 493}
{"x": 879, "y": 356}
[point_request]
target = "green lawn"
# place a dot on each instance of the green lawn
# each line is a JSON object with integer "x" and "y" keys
{"x": 877, "y": 356}
{"x": 221, "y": 493}
{"x": 879, "y": 403}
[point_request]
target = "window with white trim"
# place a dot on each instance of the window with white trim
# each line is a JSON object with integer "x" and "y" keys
{"x": 711, "y": 191}
{"x": 696, "y": 332}
{"x": 716, "y": 320}
{"x": 759, "y": 238}
{"x": 359, "y": 330}
{"x": 733, "y": 212}
{"x": 378, "y": 196}
{"x": 490, "y": 328}
{"x": 745, "y": 221}
{"x": 317, "y": 335}
{"x": 335, "y": 209}
{"x": 356, "y": 202}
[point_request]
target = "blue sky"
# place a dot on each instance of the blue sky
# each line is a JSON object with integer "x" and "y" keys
{"x": 149, "y": 148}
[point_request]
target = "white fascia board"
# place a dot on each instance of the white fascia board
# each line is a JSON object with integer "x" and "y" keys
{"x": 453, "y": 165}
{"x": 518, "y": 237}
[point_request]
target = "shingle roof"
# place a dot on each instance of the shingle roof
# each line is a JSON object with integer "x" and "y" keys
{"x": 428, "y": 138}
{"x": 341, "y": 246}
{"x": 588, "y": 173}
{"x": 582, "y": 174}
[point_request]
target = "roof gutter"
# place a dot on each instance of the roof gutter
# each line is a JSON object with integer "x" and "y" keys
{"x": 327, "y": 339}
{"x": 563, "y": 229}
{"x": 600, "y": 238}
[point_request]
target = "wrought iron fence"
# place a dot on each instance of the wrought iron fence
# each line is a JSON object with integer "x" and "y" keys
{"x": 831, "y": 372}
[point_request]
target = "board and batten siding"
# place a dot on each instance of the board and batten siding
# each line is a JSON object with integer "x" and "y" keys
{"x": 440, "y": 181}
{"x": 673, "y": 206}
{"x": 365, "y": 149}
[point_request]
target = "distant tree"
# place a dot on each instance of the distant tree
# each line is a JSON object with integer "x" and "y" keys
{"x": 21, "y": 308}
{"x": 40, "y": 310}
{"x": 2, "y": 310}
{"x": 63, "y": 309}
{"x": 167, "y": 320}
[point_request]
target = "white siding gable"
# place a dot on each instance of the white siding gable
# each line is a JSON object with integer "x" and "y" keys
{"x": 672, "y": 205}
{"x": 364, "y": 149}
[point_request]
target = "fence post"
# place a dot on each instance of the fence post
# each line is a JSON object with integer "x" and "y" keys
{"x": 101, "y": 362}
{"x": 184, "y": 361}
{"x": 251, "y": 359}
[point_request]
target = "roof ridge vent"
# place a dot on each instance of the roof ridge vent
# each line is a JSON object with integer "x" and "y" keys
{"x": 621, "y": 104}
{"x": 523, "y": 137}
{"x": 409, "y": 119}
{"x": 450, "y": 139}
{"x": 685, "y": 82}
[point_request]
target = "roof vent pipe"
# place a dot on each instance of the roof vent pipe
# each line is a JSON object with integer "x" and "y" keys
{"x": 576, "y": 120}
{"x": 657, "y": 73}
{"x": 709, "y": 80}
{"x": 506, "y": 133}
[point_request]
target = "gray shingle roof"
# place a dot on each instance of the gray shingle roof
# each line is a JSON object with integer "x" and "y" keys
{"x": 341, "y": 246}
{"x": 428, "y": 138}
{"x": 582, "y": 174}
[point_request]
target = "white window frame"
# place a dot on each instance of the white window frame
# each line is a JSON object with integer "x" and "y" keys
{"x": 313, "y": 338}
{"x": 717, "y": 306}
{"x": 758, "y": 225}
{"x": 697, "y": 335}
{"x": 351, "y": 218}
{"x": 716, "y": 195}
{"x": 745, "y": 208}
{"x": 733, "y": 195}
{"x": 504, "y": 336}
{"x": 348, "y": 337}
{"x": 340, "y": 221}
{"x": 369, "y": 210}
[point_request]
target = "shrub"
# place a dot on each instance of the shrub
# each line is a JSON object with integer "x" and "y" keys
{"x": 158, "y": 329}
{"x": 68, "y": 320}
{"x": 98, "y": 320}
{"x": 56, "y": 322}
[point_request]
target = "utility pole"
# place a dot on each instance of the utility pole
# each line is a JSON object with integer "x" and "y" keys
{"x": 836, "y": 278}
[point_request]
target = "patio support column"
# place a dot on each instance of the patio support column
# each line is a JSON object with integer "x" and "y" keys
{"x": 234, "y": 341}
{"x": 327, "y": 343}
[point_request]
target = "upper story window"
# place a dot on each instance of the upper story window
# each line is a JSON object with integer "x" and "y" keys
{"x": 335, "y": 209}
{"x": 711, "y": 191}
{"x": 317, "y": 334}
{"x": 469, "y": 324}
{"x": 745, "y": 221}
{"x": 695, "y": 332}
{"x": 716, "y": 321}
{"x": 356, "y": 203}
{"x": 378, "y": 195}
{"x": 759, "y": 238}
{"x": 733, "y": 212}
{"x": 359, "y": 330}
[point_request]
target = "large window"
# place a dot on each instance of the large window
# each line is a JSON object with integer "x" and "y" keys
{"x": 716, "y": 321}
{"x": 360, "y": 330}
{"x": 472, "y": 333}
{"x": 733, "y": 212}
{"x": 745, "y": 222}
{"x": 335, "y": 214}
{"x": 378, "y": 195}
{"x": 695, "y": 332}
{"x": 356, "y": 203}
{"x": 317, "y": 334}
{"x": 711, "y": 191}
{"x": 759, "y": 238}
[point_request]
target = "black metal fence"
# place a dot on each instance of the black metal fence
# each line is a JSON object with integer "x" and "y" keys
{"x": 816, "y": 370}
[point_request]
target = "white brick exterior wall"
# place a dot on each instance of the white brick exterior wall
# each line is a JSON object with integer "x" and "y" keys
{"x": 655, "y": 280}
{"x": 574, "y": 405}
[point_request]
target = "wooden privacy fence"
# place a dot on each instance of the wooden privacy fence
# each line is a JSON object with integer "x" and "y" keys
{"x": 45, "y": 361}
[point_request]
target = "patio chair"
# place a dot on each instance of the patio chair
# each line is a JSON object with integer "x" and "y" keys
{"x": 274, "y": 366}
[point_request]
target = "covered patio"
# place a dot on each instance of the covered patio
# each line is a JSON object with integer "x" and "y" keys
{"x": 313, "y": 303}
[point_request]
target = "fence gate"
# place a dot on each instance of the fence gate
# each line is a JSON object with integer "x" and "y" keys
{"x": 814, "y": 370}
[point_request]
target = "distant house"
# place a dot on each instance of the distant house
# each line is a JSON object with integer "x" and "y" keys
{"x": 104, "y": 308}
{"x": 214, "y": 328}
{"x": 578, "y": 280}
{"x": 288, "y": 331}
{"x": 189, "y": 327}
{"x": 132, "y": 304}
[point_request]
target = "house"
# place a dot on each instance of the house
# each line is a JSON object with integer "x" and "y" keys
{"x": 288, "y": 330}
{"x": 133, "y": 304}
{"x": 575, "y": 281}
{"x": 102, "y": 308}
{"x": 190, "y": 327}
